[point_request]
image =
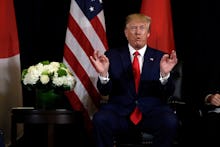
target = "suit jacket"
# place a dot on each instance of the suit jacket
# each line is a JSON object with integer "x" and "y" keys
{"x": 121, "y": 87}
{"x": 210, "y": 84}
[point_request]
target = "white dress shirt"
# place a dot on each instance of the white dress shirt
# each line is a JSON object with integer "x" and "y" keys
{"x": 141, "y": 51}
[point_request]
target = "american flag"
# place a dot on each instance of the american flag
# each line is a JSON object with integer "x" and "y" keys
{"x": 85, "y": 33}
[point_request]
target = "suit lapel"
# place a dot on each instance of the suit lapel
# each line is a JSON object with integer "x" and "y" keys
{"x": 148, "y": 69}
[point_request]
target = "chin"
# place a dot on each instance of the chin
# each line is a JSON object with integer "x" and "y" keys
{"x": 139, "y": 46}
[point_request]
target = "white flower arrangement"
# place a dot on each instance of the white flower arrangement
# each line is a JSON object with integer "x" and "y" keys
{"x": 48, "y": 75}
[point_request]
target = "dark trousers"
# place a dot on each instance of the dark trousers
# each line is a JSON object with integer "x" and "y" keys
{"x": 211, "y": 124}
{"x": 162, "y": 123}
{"x": 2, "y": 144}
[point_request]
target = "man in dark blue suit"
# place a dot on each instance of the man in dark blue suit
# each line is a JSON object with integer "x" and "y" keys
{"x": 117, "y": 81}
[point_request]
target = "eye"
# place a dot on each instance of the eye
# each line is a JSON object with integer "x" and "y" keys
{"x": 133, "y": 28}
{"x": 142, "y": 28}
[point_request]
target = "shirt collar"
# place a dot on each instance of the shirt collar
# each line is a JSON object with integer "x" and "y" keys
{"x": 141, "y": 51}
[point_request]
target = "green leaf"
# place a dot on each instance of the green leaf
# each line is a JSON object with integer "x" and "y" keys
{"x": 61, "y": 72}
{"x": 45, "y": 62}
{"x": 62, "y": 65}
{"x": 45, "y": 73}
{"x": 24, "y": 72}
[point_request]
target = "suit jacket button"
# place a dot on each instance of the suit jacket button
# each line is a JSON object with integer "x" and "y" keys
{"x": 136, "y": 102}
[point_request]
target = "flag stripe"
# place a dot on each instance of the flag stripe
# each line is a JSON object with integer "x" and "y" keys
{"x": 77, "y": 105}
{"x": 99, "y": 30}
{"x": 80, "y": 37}
{"x": 81, "y": 56}
{"x": 82, "y": 75}
{"x": 86, "y": 27}
{"x": 78, "y": 96}
{"x": 85, "y": 33}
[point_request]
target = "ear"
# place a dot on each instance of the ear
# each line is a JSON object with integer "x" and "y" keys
{"x": 126, "y": 33}
{"x": 148, "y": 34}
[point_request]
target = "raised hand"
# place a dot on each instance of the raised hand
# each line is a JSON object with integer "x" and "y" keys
{"x": 100, "y": 62}
{"x": 167, "y": 63}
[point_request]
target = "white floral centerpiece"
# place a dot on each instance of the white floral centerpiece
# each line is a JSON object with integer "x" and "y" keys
{"x": 48, "y": 79}
{"x": 49, "y": 75}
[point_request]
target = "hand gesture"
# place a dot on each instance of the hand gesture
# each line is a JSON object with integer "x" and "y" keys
{"x": 100, "y": 62}
{"x": 167, "y": 63}
{"x": 214, "y": 99}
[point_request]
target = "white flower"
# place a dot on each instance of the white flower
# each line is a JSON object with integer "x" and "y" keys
{"x": 49, "y": 75}
{"x": 44, "y": 79}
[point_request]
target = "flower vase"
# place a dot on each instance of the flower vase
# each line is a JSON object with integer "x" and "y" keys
{"x": 47, "y": 99}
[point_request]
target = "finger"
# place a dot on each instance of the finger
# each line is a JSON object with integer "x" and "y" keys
{"x": 96, "y": 55}
{"x": 173, "y": 54}
{"x": 92, "y": 59}
{"x": 165, "y": 57}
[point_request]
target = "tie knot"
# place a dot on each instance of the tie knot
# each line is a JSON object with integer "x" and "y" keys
{"x": 136, "y": 53}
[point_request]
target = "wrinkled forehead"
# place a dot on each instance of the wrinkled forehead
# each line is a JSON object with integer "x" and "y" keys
{"x": 137, "y": 23}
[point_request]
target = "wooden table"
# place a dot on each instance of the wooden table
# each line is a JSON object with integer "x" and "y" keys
{"x": 50, "y": 117}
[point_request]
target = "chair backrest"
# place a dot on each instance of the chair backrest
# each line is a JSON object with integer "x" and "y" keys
{"x": 178, "y": 80}
{"x": 176, "y": 98}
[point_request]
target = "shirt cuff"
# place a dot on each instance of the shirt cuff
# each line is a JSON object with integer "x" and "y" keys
{"x": 206, "y": 99}
{"x": 164, "y": 80}
{"x": 104, "y": 80}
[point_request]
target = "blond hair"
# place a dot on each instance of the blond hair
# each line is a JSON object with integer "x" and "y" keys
{"x": 139, "y": 17}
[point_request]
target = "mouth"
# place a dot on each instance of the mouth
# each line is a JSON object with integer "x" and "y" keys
{"x": 137, "y": 40}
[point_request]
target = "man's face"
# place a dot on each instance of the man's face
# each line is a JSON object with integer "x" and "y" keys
{"x": 137, "y": 33}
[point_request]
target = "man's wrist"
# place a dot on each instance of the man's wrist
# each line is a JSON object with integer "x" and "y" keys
{"x": 164, "y": 79}
{"x": 104, "y": 79}
{"x": 162, "y": 74}
{"x": 208, "y": 98}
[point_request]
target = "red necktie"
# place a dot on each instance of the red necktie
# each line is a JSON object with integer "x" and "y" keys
{"x": 136, "y": 115}
{"x": 136, "y": 70}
